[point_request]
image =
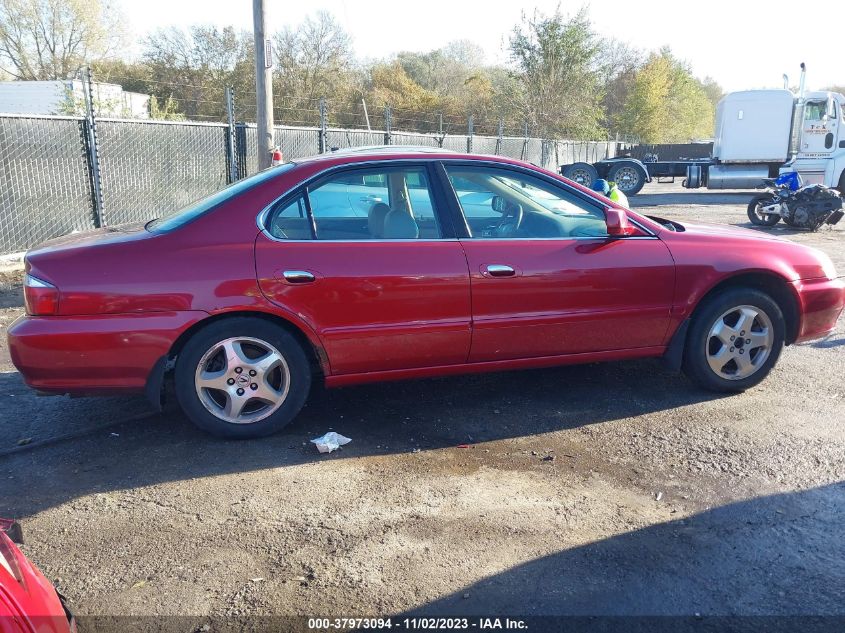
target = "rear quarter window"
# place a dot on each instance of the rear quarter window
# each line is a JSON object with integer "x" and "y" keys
{"x": 177, "y": 219}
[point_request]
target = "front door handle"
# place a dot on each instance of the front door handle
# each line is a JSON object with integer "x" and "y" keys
{"x": 500, "y": 270}
{"x": 298, "y": 276}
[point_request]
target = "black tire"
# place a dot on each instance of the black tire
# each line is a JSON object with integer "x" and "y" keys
{"x": 765, "y": 219}
{"x": 695, "y": 363}
{"x": 628, "y": 176}
{"x": 298, "y": 378}
{"x": 582, "y": 173}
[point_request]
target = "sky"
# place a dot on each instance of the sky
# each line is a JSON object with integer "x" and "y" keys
{"x": 743, "y": 44}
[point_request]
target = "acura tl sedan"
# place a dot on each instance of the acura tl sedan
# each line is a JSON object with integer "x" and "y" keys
{"x": 403, "y": 263}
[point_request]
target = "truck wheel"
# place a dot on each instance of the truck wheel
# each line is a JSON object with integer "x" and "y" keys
{"x": 758, "y": 218}
{"x": 242, "y": 378}
{"x": 629, "y": 177}
{"x": 734, "y": 340}
{"x": 582, "y": 173}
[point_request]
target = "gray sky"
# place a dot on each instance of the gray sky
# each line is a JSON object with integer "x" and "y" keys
{"x": 741, "y": 43}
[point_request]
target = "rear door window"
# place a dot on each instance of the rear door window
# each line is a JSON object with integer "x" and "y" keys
{"x": 361, "y": 204}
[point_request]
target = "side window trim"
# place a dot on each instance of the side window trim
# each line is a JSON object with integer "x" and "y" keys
{"x": 312, "y": 223}
{"x": 451, "y": 206}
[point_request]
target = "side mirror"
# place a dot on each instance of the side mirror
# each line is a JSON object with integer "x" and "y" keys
{"x": 617, "y": 222}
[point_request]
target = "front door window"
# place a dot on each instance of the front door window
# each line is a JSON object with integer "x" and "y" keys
{"x": 500, "y": 203}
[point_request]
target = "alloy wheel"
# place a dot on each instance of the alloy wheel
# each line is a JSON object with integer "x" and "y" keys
{"x": 242, "y": 380}
{"x": 739, "y": 342}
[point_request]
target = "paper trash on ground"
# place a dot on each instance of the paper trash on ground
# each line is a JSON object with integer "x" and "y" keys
{"x": 330, "y": 441}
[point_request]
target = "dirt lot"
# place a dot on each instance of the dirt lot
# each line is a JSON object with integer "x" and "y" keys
{"x": 602, "y": 489}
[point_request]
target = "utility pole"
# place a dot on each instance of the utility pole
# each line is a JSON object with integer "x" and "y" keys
{"x": 93, "y": 147}
{"x": 263, "y": 85}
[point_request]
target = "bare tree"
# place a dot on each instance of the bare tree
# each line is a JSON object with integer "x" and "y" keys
{"x": 314, "y": 60}
{"x": 53, "y": 39}
{"x": 194, "y": 67}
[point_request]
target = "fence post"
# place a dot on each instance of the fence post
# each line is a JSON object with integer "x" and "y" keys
{"x": 93, "y": 150}
{"x": 388, "y": 119}
{"x": 231, "y": 159}
{"x": 469, "y": 134}
{"x": 499, "y": 137}
{"x": 240, "y": 150}
{"x": 323, "y": 125}
{"x": 442, "y": 135}
{"x": 524, "y": 142}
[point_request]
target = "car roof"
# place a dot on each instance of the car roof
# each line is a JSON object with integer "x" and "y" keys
{"x": 405, "y": 152}
{"x": 385, "y": 149}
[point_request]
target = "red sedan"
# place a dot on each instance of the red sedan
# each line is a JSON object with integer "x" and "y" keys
{"x": 386, "y": 264}
{"x": 28, "y": 602}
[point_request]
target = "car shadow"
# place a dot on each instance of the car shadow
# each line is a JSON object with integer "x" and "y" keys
{"x": 101, "y": 444}
{"x": 829, "y": 342}
{"x": 778, "y": 555}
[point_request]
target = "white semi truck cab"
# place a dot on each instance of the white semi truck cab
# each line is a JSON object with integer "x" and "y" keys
{"x": 820, "y": 156}
{"x": 761, "y": 133}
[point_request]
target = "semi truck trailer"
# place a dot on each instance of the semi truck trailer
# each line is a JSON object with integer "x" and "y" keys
{"x": 759, "y": 134}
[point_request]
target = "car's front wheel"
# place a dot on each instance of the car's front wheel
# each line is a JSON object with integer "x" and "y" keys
{"x": 734, "y": 340}
{"x": 242, "y": 377}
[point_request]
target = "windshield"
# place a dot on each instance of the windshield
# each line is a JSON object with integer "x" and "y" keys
{"x": 195, "y": 209}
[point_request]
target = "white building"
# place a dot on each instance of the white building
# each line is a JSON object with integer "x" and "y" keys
{"x": 67, "y": 97}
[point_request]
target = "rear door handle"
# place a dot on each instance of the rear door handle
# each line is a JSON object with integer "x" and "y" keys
{"x": 500, "y": 270}
{"x": 298, "y": 276}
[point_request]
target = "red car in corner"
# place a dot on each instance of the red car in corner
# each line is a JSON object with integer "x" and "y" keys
{"x": 401, "y": 263}
{"x": 28, "y": 602}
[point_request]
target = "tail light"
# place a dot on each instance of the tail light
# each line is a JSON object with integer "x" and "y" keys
{"x": 10, "y": 531}
{"x": 41, "y": 298}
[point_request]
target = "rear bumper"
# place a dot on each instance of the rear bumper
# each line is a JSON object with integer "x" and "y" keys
{"x": 820, "y": 303}
{"x": 94, "y": 354}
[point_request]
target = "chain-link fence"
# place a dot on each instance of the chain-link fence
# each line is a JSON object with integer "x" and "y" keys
{"x": 148, "y": 168}
{"x": 45, "y": 186}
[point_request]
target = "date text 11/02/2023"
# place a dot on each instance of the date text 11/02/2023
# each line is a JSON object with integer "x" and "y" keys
{"x": 421, "y": 623}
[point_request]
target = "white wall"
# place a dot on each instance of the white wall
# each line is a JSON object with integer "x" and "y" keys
{"x": 67, "y": 97}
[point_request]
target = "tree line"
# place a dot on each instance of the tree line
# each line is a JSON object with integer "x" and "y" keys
{"x": 562, "y": 79}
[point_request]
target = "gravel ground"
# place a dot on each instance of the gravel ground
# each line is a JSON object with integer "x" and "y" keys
{"x": 600, "y": 489}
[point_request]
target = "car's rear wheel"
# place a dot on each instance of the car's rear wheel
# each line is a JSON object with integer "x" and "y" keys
{"x": 242, "y": 377}
{"x": 734, "y": 340}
